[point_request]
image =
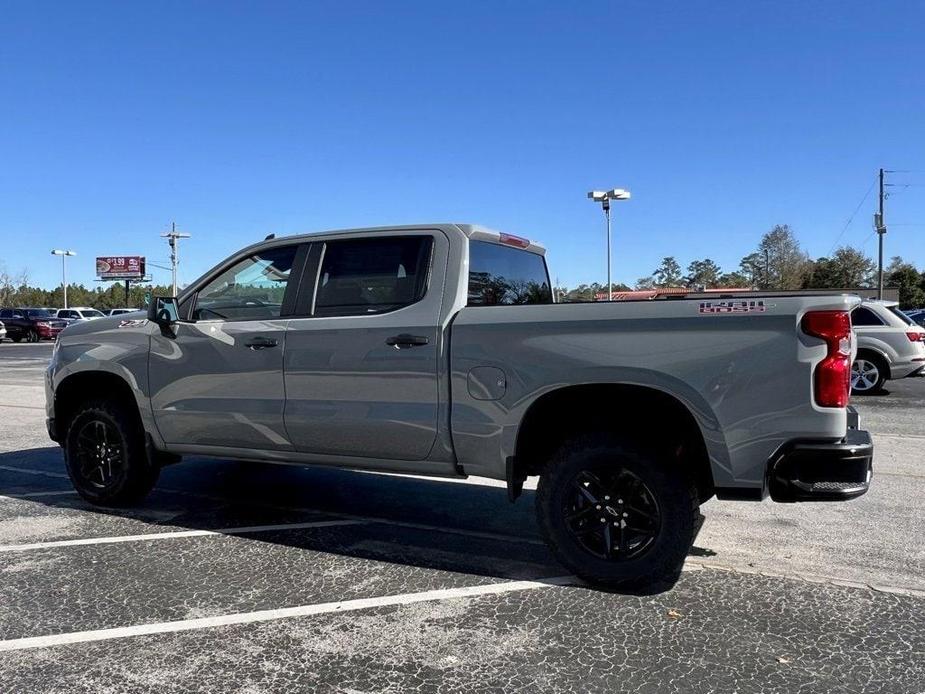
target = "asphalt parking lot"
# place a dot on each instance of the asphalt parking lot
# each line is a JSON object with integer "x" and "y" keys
{"x": 269, "y": 578}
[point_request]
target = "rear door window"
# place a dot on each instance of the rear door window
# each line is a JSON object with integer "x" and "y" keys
{"x": 360, "y": 277}
{"x": 503, "y": 276}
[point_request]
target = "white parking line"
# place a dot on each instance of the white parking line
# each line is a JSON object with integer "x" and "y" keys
{"x": 363, "y": 519}
{"x": 283, "y": 613}
{"x": 27, "y": 471}
{"x": 175, "y": 534}
{"x": 29, "y": 495}
{"x": 444, "y": 529}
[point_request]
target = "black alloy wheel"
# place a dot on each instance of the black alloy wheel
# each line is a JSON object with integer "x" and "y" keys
{"x": 611, "y": 513}
{"x": 100, "y": 454}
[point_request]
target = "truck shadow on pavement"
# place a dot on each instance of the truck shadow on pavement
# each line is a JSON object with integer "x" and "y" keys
{"x": 421, "y": 522}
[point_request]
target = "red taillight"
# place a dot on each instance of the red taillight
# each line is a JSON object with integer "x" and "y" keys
{"x": 511, "y": 240}
{"x": 833, "y": 374}
{"x": 915, "y": 337}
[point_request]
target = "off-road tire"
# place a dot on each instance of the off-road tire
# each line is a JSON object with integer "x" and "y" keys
{"x": 672, "y": 490}
{"x": 135, "y": 475}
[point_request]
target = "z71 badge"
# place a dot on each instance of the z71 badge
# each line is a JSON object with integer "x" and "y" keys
{"x": 738, "y": 306}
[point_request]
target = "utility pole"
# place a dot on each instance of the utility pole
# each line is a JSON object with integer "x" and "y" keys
{"x": 609, "y": 284}
{"x": 881, "y": 230}
{"x": 173, "y": 236}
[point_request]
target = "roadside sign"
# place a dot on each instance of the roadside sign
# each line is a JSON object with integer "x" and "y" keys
{"x": 120, "y": 267}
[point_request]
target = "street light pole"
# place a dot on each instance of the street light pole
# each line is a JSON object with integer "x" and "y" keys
{"x": 604, "y": 197}
{"x": 64, "y": 255}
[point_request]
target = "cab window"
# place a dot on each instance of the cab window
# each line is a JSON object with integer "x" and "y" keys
{"x": 504, "y": 276}
{"x": 251, "y": 289}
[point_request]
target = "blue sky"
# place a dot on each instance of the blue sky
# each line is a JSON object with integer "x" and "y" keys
{"x": 237, "y": 119}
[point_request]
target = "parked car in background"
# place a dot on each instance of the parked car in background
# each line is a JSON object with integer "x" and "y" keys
{"x": 890, "y": 346}
{"x": 31, "y": 324}
{"x": 79, "y": 313}
{"x": 917, "y": 315}
{"x": 2, "y": 331}
{"x": 120, "y": 311}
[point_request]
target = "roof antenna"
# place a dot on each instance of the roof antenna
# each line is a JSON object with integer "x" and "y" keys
{"x": 270, "y": 236}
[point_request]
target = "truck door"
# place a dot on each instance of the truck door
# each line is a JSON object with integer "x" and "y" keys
{"x": 362, "y": 356}
{"x": 217, "y": 380}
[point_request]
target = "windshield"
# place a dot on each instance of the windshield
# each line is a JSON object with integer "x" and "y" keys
{"x": 37, "y": 313}
{"x": 92, "y": 314}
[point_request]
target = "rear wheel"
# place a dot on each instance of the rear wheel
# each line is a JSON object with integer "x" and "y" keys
{"x": 616, "y": 515}
{"x": 105, "y": 455}
{"x": 868, "y": 374}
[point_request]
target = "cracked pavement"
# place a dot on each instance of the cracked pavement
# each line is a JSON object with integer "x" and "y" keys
{"x": 812, "y": 597}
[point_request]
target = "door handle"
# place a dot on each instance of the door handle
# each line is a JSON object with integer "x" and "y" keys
{"x": 406, "y": 340}
{"x": 261, "y": 343}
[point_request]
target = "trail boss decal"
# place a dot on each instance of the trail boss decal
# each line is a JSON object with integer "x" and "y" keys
{"x": 740, "y": 306}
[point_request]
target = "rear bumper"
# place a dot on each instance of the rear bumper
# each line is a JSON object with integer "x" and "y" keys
{"x": 823, "y": 471}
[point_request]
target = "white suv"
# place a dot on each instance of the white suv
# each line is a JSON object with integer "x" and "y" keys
{"x": 79, "y": 313}
{"x": 890, "y": 346}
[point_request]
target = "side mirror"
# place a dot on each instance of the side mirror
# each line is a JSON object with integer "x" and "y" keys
{"x": 163, "y": 311}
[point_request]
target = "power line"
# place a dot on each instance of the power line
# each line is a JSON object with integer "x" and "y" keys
{"x": 853, "y": 215}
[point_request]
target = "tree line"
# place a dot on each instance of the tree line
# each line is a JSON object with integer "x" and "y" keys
{"x": 778, "y": 263}
{"x": 16, "y": 291}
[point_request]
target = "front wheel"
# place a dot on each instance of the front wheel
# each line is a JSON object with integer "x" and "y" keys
{"x": 615, "y": 515}
{"x": 105, "y": 455}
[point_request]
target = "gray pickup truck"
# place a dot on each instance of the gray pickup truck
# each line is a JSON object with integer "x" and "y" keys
{"x": 439, "y": 350}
